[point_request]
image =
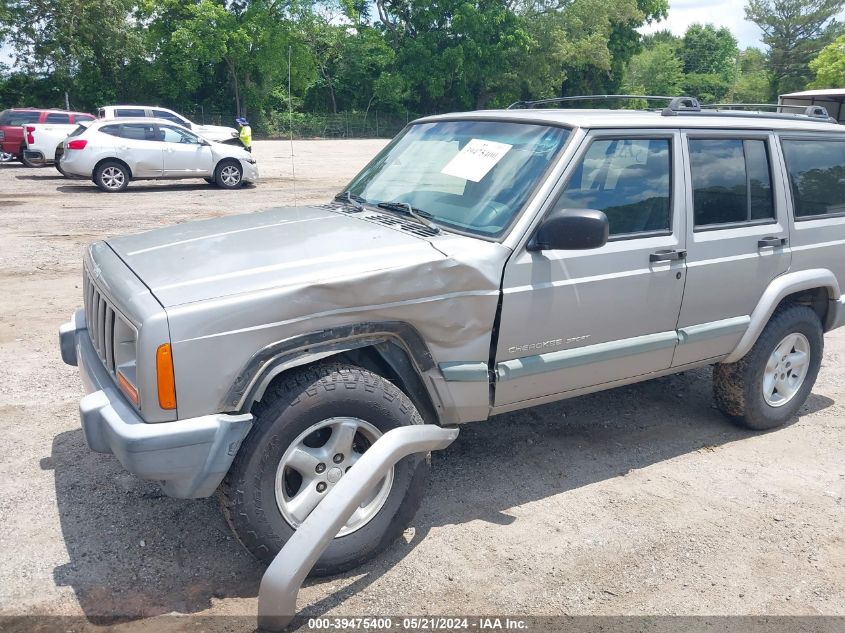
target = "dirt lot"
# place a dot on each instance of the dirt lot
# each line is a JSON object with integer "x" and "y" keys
{"x": 642, "y": 500}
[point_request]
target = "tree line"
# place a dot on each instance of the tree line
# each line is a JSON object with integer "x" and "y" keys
{"x": 262, "y": 58}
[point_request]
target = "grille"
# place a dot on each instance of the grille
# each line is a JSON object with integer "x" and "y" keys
{"x": 100, "y": 317}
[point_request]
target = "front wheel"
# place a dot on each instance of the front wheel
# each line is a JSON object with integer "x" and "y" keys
{"x": 228, "y": 174}
{"x": 310, "y": 429}
{"x": 767, "y": 386}
{"x": 111, "y": 177}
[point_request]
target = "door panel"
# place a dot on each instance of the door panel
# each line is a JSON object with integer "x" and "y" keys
{"x": 184, "y": 155}
{"x": 138, "y": 147}
{"x": 572, "y": 319}
{"x": 729, "y": 265}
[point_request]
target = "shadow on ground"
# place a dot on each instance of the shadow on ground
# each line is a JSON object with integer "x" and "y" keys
{"x": 135, "y": 553}
{"x": 85, "y": 186}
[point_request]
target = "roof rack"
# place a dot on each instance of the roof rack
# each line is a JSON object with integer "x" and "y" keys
{"x": 516, "y": 105}
{"x": 812, "y": 112}
{"x": 690, "y": 106}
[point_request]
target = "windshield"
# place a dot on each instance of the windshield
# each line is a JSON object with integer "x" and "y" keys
{"x": 474, "y": 176}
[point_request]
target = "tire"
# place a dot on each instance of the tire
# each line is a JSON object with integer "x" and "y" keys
{"x": 228, "y": 174}
{"x": 112, "y": 176}
{"x": 739, "y": 387}
{"x": 210, "y": 181}
{"x": 305, "y": 398}
{"x": 28, "y": 163}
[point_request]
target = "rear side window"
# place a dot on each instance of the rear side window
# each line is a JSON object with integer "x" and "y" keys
{"x": 817, "y": 176}
{"x": 629, "y": 180}
{"x": 731, "y": 181}
{"x": 138, "y": 132}
{"x": 57, "y": 117}
{"x": 12, "y": 117}
{"x": 113, "y": 130}
{"x": 129, "y": 112}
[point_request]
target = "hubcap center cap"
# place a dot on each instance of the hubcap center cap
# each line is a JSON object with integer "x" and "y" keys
{"x": 334, "y": 475}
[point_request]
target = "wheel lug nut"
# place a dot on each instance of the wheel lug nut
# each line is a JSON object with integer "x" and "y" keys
{"x": 338, "y": 458}
{"x": 321, "y": 487}
{"x": 321, "y": 467}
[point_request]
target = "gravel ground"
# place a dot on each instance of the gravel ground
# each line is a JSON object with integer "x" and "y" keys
{"x": 643, "y": 500}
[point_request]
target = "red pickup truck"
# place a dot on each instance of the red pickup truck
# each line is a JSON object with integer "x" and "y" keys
{"x": 12, "y": 121}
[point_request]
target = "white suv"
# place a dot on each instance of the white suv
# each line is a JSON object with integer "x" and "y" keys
{"x": 113, "y": 152}
{"x": 217, "y": 133}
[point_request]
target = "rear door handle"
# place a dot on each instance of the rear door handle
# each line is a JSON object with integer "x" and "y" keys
{"x": 771, "y": 242}
{"x": 667, "y": 256}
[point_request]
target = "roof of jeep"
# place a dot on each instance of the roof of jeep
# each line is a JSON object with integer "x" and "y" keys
{"x": 621, "y": 119}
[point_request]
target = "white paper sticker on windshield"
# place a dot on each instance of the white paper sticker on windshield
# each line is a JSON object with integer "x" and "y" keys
{"x": 476, "y": 159}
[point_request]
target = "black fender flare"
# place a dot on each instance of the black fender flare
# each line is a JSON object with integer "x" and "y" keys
{"x": 267, "y": 363}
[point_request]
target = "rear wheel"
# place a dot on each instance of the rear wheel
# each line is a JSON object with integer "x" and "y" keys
{"x": 29, "y": 163}
{"x": 111, "y": 176}
{"x": 768, "y": 386}
{"x": 6, "y": 157}
{"x": 229, "y": 174}
{"x": 310, "y": 429}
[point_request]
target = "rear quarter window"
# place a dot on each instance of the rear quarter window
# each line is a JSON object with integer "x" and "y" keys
{"x": 816, "y": 176}
{"x": 112, "y": 130}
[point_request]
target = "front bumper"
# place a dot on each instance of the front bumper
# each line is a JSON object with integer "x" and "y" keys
{"x": 250, "y": 171}
{"x": 189, "y": 457}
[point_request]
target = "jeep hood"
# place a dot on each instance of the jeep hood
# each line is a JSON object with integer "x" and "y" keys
{"x": 249, "y": 253}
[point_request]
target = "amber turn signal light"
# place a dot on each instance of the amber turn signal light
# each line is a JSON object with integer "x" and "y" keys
{"x": 166, "y": 381}
{"x": 128, "y": 388}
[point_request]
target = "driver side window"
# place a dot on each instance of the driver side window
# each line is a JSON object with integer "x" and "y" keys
{"x": 175, "y": 135}
{"x": 629, "y": 180}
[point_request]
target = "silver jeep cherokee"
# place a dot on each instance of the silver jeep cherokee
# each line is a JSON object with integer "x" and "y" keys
{"x": 483, "y": 262}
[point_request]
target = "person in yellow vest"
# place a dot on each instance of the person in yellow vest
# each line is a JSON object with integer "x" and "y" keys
{"x": 245, "y": 134}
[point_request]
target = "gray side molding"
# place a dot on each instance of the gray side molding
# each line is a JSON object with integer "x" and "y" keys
{"x": 283, "y": 578}
{"x": 779, "y": 288}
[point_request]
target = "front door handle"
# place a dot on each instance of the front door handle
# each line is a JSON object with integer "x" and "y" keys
{"x": 667, "y": 256}
{"x": 771, "y": 242}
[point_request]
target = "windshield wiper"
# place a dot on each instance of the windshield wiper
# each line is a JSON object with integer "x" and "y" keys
{"x": 353, "y": 199}
{"x": 406, "y": 209}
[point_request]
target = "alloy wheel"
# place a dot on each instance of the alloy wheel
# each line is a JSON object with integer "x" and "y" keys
{"x": 230, "y": 175}
{"x": 786, "y": 369}
{"x": 317, "y": 460}
{"x": 113, "y": 178}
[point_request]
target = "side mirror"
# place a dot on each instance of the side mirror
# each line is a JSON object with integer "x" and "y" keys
{"x": 571, "y": 230}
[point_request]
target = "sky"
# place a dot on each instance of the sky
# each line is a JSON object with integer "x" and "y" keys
{"x": 729, "y": 13}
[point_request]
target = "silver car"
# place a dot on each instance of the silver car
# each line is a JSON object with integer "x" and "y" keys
{"x": 481, "y": 263}
{"x": 113, "y": 152}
